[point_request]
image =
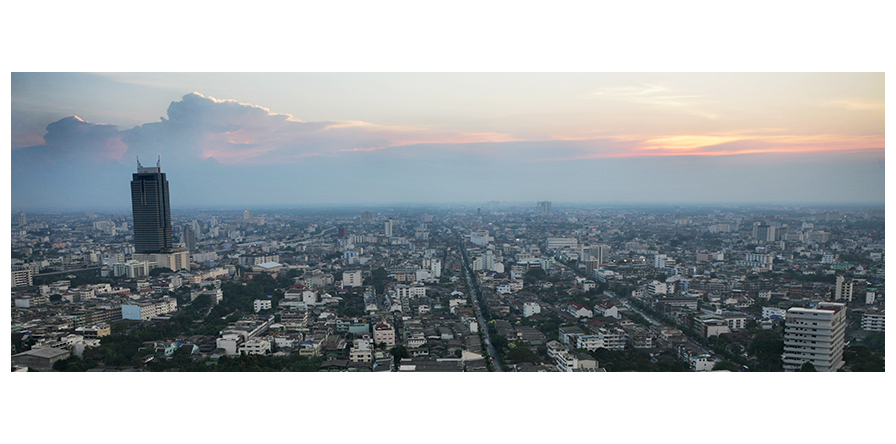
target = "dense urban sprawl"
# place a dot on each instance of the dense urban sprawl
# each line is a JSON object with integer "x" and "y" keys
{"x": 496, "y": 287}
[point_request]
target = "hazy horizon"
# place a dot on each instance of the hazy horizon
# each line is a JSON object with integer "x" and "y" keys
{"x": 282, "y": 140}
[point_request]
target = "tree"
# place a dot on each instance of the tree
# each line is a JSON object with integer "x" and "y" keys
{"x": 875, "y": 341}
{"x": 155, "y": 272}
{"x": 398, "y": 353}
{"x": 522, "y": 354}
{"x": 767, "y": 346}
{"x": 808, "y": 366}
{"x": 726, "y": 365}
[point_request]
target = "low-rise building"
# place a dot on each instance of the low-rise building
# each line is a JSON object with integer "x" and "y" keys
{"x": 873, "y": 321}
{"x": 262, "y": 304}
{"x": 384, "y": 333}
{"x": 256, "y": 346}
{"x": 41, "y": 359}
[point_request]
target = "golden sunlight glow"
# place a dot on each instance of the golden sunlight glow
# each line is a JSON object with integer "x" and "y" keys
{"x": 688, "y": 142}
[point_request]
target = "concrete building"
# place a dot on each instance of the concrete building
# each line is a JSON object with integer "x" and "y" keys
{"x": 701, "y": 363}
{"x": 22, "y": 278}
{"x": 843, "y": 289}
{"x": 133, "y": 269}
{"x": 762, "y": 232}
{"x": 410, "y": 291}
{"x": 656, "y": 288}
{"x": 557, "y": 243}
{"x": 384, "y": 333}
{"x": 255, "y": 346}
{"x": 145, "y": 311}
{"x": 873, "y": 321}
{"x": 815, "y": 335}
{"x": 388, "y": 228}
{"x": 261, "y": 304}
{"x": 351, "y": 278}
{"x": 189, "y": 236}
{"x": 531, "y": 308}
{"x": 248, "y": 260}
{"x": 41, "y": 359}
{"x": 175, "y": 259}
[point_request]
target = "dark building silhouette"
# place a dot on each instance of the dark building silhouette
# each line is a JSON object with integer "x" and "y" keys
{"x": 152, "y": 210}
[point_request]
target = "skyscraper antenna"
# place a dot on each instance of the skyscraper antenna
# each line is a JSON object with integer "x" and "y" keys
{"x": 138, "y": 162}
{"x": 159, "y": 162}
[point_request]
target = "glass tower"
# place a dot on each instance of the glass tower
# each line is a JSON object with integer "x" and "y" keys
{"x": 152, "y": 210}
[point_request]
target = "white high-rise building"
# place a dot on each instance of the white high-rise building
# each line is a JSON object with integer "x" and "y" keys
{"x": 843, "y": 289}
{"x": 488, "y": 261}
{"x": 815, "y": 335}
{"x": 435, "y": 266}
{"x": 388, "y": 228}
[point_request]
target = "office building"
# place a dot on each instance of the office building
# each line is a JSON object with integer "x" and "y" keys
{"x": 543, "y": 207}
{"x": 22, "y": 219}
{"x": 388, "y": 228}
{"x": 763, "y": 232}
{"x": 600, "y": 253}
{"x": 190, "y": 238}
{"x": 815, "y": 335}
{"x": 152, "y": 210}
{"x": 367, "y": 217}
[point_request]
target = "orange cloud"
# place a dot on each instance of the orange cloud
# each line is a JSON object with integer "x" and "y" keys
{"x": 686, "y": 143}
{"x": 727, "y": 145}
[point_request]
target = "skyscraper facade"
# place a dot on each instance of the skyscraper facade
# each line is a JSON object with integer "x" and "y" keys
{"x": 22, "y": 219}
{"x": 388, "y": 228}
{"x": 152, "y": 210}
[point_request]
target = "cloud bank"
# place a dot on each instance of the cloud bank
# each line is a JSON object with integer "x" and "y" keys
{"x": 221, "y": 152}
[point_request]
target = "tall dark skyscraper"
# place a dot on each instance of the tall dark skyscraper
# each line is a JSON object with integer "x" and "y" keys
{"x": 152, "y": 210}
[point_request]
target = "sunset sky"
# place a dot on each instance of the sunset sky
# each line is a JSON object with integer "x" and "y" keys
{"x": 355, "y": 138}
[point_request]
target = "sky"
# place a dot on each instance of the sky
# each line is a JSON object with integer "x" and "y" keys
{"x": 286, "y": 139}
